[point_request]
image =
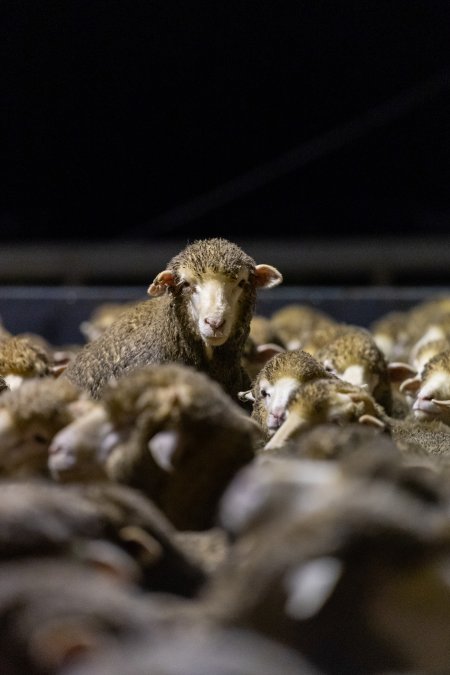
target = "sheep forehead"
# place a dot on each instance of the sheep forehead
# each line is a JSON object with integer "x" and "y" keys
{"x": 297, "y": 363}
{"x": 210, "y": 275}
{"x": 215, "y": 254}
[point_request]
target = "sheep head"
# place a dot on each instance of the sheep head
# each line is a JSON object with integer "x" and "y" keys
{"x": 217, "y": 279}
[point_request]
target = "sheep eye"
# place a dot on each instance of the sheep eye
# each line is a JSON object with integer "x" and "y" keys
{"x": 183, "y": 285}
{"x": 264, "y": 393}
{"x": 242, "y": 283}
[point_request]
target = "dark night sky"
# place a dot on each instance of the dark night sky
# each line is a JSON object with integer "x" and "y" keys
{"x": 114, "y": 113}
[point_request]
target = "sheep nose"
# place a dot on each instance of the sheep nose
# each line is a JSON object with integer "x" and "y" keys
{"x": 215, "y": 323}
{"x": 276, "y": 417}
{"x": 425, "y": 397}
{"x": 54, "y": 448}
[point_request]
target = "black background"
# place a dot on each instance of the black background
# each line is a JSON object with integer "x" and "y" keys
{"x": 115, "y": 114}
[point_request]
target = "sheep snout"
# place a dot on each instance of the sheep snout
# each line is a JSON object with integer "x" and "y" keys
{"x": 276, "y": 418}
{"x": 214, "y": 308}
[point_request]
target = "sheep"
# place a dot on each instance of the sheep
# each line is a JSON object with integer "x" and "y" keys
{"x": 170, "y": 431}
{"x": 22, "y": 358}
{"x": 354, "y": 357}
{"x": 78, "y": 452}
{"x": 104, "y": 525}
{"x": 391, "y": 335}
{"x": 29, "y": 418}
{"x": 277, "y": 383}
{"x": 199, "y": 315}
{"x": 294, "y": 322}
{"x": 262, "y": 331}
{"x": 58, "y": 613}
{"x": 348, "y": 561}
{"x": 195, "y": 650}
{"x": 326, "y": 400}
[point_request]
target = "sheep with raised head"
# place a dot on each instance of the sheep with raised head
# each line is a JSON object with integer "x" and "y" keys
{"x": 199, "y": 315}
{"x": 277, "y": 383}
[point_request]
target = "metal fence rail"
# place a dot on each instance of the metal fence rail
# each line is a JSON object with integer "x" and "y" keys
{"x": 57, "y": 312}
{"x": 384, "y": 261}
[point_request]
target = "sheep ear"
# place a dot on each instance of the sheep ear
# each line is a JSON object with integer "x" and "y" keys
{"x": 162, "y": 447}
{"x": 148, "y": 549}
{"x": 53, "y": 644}
{"x": 267, "y": 276}
{"x": 399, "y": 371}
{"x": 109, "y": 559}
{"x": 58, "y": 368}
{"x": 310, "y": 586}
{"x": 162, "y": 281}
{"x": 246, "y": 396}
{"x": 442, "y": 404}
{"x": 267, "y": 350}
{"x": 411, "y": 385}
{"x": 372, "y": 421}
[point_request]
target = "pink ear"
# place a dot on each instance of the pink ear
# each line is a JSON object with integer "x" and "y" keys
{"x": 267, "y": 276}
{"x": 412, "y": 385}
{"x": 399, "y": 371}
{"x": 162, "y": 281}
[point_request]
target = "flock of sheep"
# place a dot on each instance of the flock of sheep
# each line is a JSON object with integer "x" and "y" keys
{"x": 200, "y": 490}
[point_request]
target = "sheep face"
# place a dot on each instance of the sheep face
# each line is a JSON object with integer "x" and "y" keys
{"x": 79, "y": 450}
{"x": 214, "y": 303}
{"x": 276, "y": 397}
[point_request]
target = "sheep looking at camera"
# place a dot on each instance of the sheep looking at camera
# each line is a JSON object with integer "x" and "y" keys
{"x": 200, "y": 315}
